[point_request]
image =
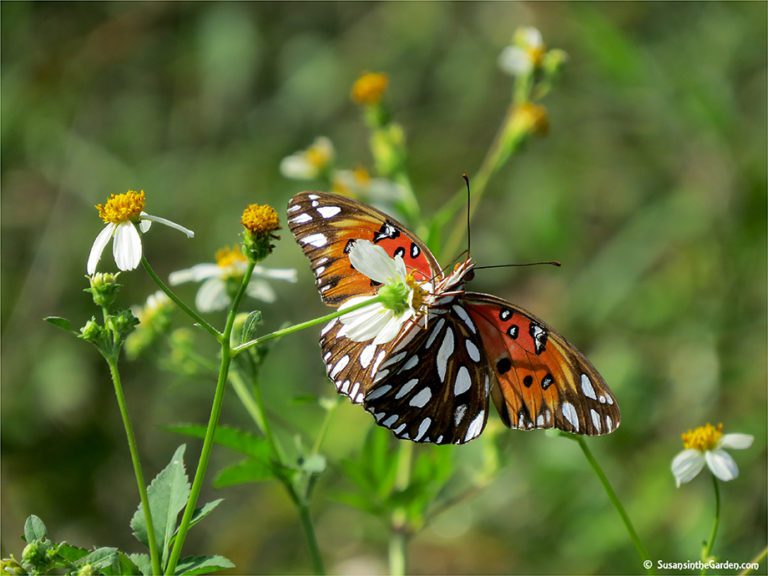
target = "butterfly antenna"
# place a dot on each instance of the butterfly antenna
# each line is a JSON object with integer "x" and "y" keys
{"x": 469, "y": 236}
{"x": 542, "y": 263}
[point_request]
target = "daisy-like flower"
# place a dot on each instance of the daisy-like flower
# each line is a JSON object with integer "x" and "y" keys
{"x": 403, "y": 296}
{"x": 524, "y": 54}
{"x": 124, "y": 215}
{"x": 220, "y": 278}
{"x": 705, "y": 445}
{"x": 358, "y": 183}
{"x": 311, "y": 163}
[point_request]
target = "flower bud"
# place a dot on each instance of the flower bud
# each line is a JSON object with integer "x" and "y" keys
{"x": 103, "y": 288}
{"x": 369, "y": 88}
{"x": 260, "y": 222}
{"x": 92, "y": 331}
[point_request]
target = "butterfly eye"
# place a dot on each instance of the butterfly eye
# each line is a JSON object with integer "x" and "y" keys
{"x": 469, "y": 276}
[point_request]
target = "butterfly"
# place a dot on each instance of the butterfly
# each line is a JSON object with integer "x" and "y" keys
{"x": 434, "y": 380}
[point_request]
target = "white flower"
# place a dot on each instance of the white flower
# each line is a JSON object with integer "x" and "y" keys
{"x": 123, "y": 213}
{"x": 524, "y": 54}
{"x": 230, "y": 265}
{"x": 705, "y": 445}
{"x": 310, "y": 163}
{"x": 358, "y": 183}
{"x": 403, "y": 297}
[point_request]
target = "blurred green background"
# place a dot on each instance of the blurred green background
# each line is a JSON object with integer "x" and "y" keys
{"x": 651, "y": 188}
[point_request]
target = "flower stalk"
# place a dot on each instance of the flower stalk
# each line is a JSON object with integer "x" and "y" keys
{"x": 706, "y": 549}
{"x": 398, "y": 528}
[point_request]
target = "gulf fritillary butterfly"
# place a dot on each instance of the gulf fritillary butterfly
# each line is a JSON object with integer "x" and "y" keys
{"x": 433, "y": 380}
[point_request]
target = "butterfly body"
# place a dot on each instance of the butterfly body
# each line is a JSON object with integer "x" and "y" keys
{"x": 434, "y": 380}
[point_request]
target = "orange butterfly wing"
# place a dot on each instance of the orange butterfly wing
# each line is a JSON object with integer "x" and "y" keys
{"x": 325, "y": 225}
{"x": 542, "y": 380}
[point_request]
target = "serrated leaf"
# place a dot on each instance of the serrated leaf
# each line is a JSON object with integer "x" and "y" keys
{"x": 34, "y": 529}
{"x": 99, "y": 559}
{"x": 243, "y": 472}
{"x": 232, "y": 438}
{"x": 168, "y": 495}
{"x": 60, "y": 322}
{"x": 202, "y": 565}
{"x": 143, "y": 562}
{"x": 199, "y": 514}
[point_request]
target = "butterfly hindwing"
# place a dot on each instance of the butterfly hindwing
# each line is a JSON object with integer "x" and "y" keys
{"x": 325, "y": 225}
{"x": 542, "y": 380}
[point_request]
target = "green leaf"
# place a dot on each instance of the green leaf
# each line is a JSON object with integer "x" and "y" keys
{"x": 245, "y": 471}
{"x": 168, "y": 495}
{"x": 202, "y": 565}
{"x": 59, "y": 322}
{"x": 99, "y": 559}
{"x": 34, "y": 529}
{"x": 71, "y": 553}
{"x": 199, "y": 514}
{"x": 232, "y": 438}
{"x": 143, "y": 562}
{"x": 124, "y": 566}
{"x": 251, "y": 326}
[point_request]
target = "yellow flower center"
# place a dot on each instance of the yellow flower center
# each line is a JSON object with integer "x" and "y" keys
{"x": 362, "y": 177}
{"x": 260, "y": 219}
{"x": 419, "y": 294}
{"x": 318, "y": 156}
{"x": 536, "y": 54}
{"x": 227, "y": 257}
{"x": 122, "y": 207}
{"x": 702, "y": 438}
{"x": 369, "y": 88}
{"x": 531, "y": 118}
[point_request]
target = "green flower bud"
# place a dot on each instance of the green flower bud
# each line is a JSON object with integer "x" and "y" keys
{"x": 92, "y": 332}
{"x": 104, "y": 288}
{"x": 86, "y": 570}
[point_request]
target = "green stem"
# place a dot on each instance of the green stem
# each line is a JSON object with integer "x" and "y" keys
{"x": 309, "y": 534}
{"x": 218, "y": 397}
{"x": 153, "y": 552}
{"x": 756, "y": 561}
{"x": 706, "y": 550}
{"x": 398, "y": 537}
{"x": 614, "y": 500}
{"x": 178, "y": 301}
{"x": 302, "y": 326}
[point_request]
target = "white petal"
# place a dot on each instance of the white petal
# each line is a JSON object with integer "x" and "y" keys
{"x": 145, "y": 225}
{"x": 530, "y": 37}
{"x": 736, "y": 441}
{"x": 260, "y": 290}
{"x": 196, "y": 273}
{"x": 296, "y": 167}
{"x": 686, "y": 465}
{"x": 391, "y": 329}
{"x": 212, "y": 296}
{"x": 159, "y": 220}
{"x": 515, "y": 61}
{"x": 324, "y": 145}
{"x": 374, "y": 262}
{"x": 364, "y": 311}
{"x": 364, "y": 324}
{"x": 98, "y": 246}
{"x": 287, "y": 274}
{"x": 722, "y": 465}
{"x": 127, "y": 246}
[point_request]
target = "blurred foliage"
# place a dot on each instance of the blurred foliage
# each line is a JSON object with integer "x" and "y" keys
{"x": 650, "y": 189}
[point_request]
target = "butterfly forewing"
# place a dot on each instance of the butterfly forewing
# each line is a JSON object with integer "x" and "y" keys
{"x": 542, "y": 380}
{"x": 325, "y": 226}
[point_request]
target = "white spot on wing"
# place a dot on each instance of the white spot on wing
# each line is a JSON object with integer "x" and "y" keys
{"x": 472, "y": 350}
{"x": 366, "y": 356}
{"x": 328, "y": 327}
{"x": 540, "y": 420}
{"x": 294, "y": 208}
{"x": 435, "y": 332}
{"x": 380, "y": 375}
{"x": 586, "y": 387}
{"x": 609, "y": 399}
{"x": 329, "y": 211}
{"x": 405, "y": 388}
{"x": 475, "y": 427}
{"x": 301, "y": 218}
{"x": 465, "y": 318}
{"x": 459, "y": 414}
{"x": 400, "y": 428}
{"x": 420, "y": 400}
{"x": 423, "y": 427}
{"x": 378, "y": 392}
{"x": 379, "y": 358}
{"x": 463, "y": 381}
{"x": 412, "y": 362}
{"x": 608, "y": 424}
{"x": 444, "y": 353}
{"x": 345, "y": 386}
{"x": 394, "y": 359}
{"x": 354, "y": 390}
{"x": 340, "y": 365}
{"x": 391, "y": 420}
{"x": 317, "y": 240}
{"x": 595, "y": 418}
{"x": 570, "y": 414}
{"x": 313, "y": 196}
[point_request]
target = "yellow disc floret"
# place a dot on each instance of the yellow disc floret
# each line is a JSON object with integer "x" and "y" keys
{"x": 122, "y": 207}
{"x": 536, "y": 54}
{"x": 228, "y": 258}
{"x": 318, "y": 156}
{"x": 530, "y": 118}
{"x": 702, "y": 438}
{"x": 418, "y": 294}
{"x": 260, "y": 219}
{"x": 369, "y": 88}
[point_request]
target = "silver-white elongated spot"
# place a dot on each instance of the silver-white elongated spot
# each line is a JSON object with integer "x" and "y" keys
{"x": 378, "y": 392}
{"x": 340, "y": 365}
{"x": 472, "y": 350}
{"x": 570, "y": 414}
{"x": 405, "y": 388}
{"x": 463, "y": 381}
{"x": 301, "y": 218}
{"x": 423, "y": 427}
{"x": 412, "y": 363}
{"x": 586, "y": 387}
{"x": 317, "y": 240}
{"x": 421, "y": 399}
{"x": 458, "y": 415}
{"x": 465, "y": 318}
{"x": 435, "y": 332}
{"x": 475, "y": 427}
{"x": 444, "y": 353}
{"x": 366, "y": 356}
{"x": 329, "y": 211}
{"x": 391, "y": 420}
{"x": 595, "y": 418}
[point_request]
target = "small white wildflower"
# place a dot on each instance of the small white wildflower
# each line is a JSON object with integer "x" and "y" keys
{"x": 309, "y": 164}
{"x": 705, "y": 445}
{"x": 230, "y": 264}
{"x": 123, "y": 213}
{"x": 524, "y": 54}
{"x": 358, "y": 183}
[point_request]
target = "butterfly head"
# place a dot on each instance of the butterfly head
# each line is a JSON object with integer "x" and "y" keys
{"x": 453, "y": 283}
